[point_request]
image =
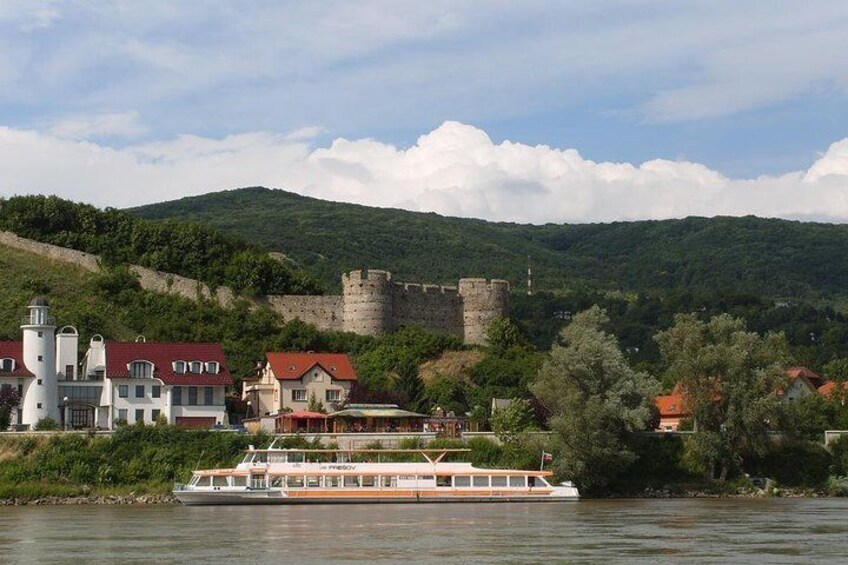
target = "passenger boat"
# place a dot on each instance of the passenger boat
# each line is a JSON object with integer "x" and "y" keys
{"x": 324, "y": 476}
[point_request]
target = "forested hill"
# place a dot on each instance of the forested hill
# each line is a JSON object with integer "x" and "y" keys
{"x": 764, "y": 257}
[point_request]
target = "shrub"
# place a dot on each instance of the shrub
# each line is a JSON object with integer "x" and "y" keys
{"x": 46, "y": 425}
{"x": 793, "y": 463}
{"x": 839, "y": 456}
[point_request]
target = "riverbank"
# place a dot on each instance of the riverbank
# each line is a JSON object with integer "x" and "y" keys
{"x": 122, "y": 500}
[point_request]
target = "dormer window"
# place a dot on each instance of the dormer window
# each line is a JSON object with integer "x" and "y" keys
{"x": 140, "y": 369}
{"x": 179, "y": 367}
{"x": 7, "y": 365}
{"x": 195, "y": 367}
{"x": 212, "y": 367}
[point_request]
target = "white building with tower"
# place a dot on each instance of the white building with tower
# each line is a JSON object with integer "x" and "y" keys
{"x": 136, "y": 382}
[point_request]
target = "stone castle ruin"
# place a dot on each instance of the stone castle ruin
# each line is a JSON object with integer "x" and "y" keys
{"x": 371, "y": 302}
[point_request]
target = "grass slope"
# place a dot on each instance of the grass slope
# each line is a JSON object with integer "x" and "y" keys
{"x": 775, "y": 258}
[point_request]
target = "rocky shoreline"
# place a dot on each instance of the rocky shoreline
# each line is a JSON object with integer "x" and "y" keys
{"x": 126, "y": 499}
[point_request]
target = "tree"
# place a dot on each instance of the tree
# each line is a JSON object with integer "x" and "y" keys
{"x": 509, "y": 422}
{"x": 503, "y": 334}
{"x": 731, "y": 379}
{"x": 596, "y": 401}
{"x": 9, "y": 398}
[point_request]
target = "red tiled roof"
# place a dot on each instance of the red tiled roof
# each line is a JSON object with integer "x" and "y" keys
{"x": 14, "y": 350}
{"x": 829, "y": 388}
{"x": 671, "y": 405}
{"x": 162, "y": 355}
{"x": 292, "y": 366}
{"x": 795, "y": 372}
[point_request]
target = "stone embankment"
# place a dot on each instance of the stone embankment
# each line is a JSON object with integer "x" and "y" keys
{"x": 125, "y": 499}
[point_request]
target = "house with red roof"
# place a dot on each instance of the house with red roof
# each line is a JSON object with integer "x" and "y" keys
{"x": 143, "y": 381}
{"x": 289, "y": 381}
{"x": 802, "y": 382}
{"x": 134, "y": 382}
{"x": 834, "y": 390}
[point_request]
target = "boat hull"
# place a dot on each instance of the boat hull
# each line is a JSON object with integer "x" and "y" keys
{"x": 212, "y": 498}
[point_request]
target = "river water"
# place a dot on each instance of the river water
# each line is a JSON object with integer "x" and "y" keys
{"x": 622, "y": 531}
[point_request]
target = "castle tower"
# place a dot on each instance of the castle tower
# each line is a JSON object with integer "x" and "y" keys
{"x": 39, "y": 349}
{"x": 367, "y": 302}
{"x": 482, "y": 302}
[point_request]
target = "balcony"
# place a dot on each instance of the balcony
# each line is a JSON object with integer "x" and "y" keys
{"x": 38, "y": 321}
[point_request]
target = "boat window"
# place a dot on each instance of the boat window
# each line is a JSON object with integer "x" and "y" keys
{"x": 425, "y": 478}
{"x": 219, "y": 481}
{"x": 351, "y": 481}
{"x": 332, "y": 481}
{"x": 463, "y": 481}
{"x": 443, "y": 480}
{"x": 481, "y": 481}
{"x": 499, "y": 481}
{"x": 276, "y": 457}
{"x": 238, "y": 481}
{"x": 517, "y": 482}
{"x": 203, "y": 481}
{"x": 389, "y": 482}
{"x": 368, "y": 480}
{"x": 294, "y": 482}
{"x": 261, "y": 458}
{"x": 313, "y": 482}
{"x": 194, "y": 479}
{"x": 277, "y": 481}
{"x": 540, "y": 482}
{"x": 295, "y": 457}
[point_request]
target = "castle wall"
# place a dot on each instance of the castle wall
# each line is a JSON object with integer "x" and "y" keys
{"x": 371, "y": 303}
{"x": 325, "y": 312}
{"x": 437, "y": 308}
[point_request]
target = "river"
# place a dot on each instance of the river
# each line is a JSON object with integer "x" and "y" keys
{"x": 619, "y": 531}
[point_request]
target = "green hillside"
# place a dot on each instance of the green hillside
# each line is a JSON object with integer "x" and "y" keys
{"x": 763, "y": 257}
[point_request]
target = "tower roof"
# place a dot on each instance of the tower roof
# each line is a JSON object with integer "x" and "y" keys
{"x": 39, "y": 301}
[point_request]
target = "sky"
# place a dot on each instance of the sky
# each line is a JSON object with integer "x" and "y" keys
{"x": 524, "y": 111}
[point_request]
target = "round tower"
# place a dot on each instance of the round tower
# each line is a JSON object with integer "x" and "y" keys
{"x": 367, "y": 301}
{"x": 39, "y": 352}
{"x": 482, "y": 302}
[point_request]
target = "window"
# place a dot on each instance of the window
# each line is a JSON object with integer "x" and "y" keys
{"x": 368, "y": 480}
{"x": 299, "y": 395}
{"x": 192, "y": 396}
{"x": 139, "y": 415}
{"x": 212, "y": 367}
{"x": 41, "y": 357}
{"x": 179, "y": 367}
{"x": 156, "y": 391}
{"x": 443, "y": 480}
{"x": 219, "y": 481}
{"x": 69, "y": 372}
{"x": 332, "y": 481}
{"x": 318, "y": 376}
{"x": 208, "y": 396}
{"x": 122, "y": 414}
{"x": 351, "y": 481}
{"x": 462, "y": 481}
{"x": 38, "y": 406}
{"x": 141, "y": 369}
{"x": 239, "y": 481}
{"x": 517, "y": 482}
{"x": 40, "y": 334}
{"x": 499, "y": 481}
{"x": 139, "y": 391}
{"x": 480, "y": 481}
{"x": 177, "y": 396}
{"x": 39, "y": 382}
{"x": 154, "y": 414}
{"x": 7, "y": 365}
{"x": 123, "y": 391}
{"x": 333, "y": 395}
{"x": 195, "y": 367}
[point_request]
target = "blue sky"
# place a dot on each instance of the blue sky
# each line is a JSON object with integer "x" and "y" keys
{"x": 526, "y": 111}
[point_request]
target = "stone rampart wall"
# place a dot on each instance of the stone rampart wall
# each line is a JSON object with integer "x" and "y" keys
{"x": 433, "y": 307}
{"x": 371, "y": 302}
{"x": 325, "y": 312}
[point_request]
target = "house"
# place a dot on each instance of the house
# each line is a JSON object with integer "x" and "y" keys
{"x": 291, "y": 381}
{"x": 832, "y": 389}
{"x": 802, "y": 382}
{"x": 133, "y": 382}
{"x": 182, "y": 382}
{"x": 672, "y": 409}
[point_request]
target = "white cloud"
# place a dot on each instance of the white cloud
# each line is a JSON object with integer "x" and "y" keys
{"x": 113, "y": 125}
{"x": 455, "y": 169}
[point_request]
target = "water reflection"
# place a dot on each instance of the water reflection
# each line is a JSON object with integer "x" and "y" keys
{"x": 641, "y": 531}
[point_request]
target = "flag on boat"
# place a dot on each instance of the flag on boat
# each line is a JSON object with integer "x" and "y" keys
{"x": 547, "y": 457}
